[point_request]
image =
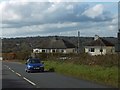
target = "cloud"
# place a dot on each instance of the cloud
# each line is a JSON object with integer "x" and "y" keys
{"x": 94, "y": 11}
{"x": 31, "y": 13}
{"x": 49, "y": 18}
{"x": 10, "y": 10}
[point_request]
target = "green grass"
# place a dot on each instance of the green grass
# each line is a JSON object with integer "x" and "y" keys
{"x": 103, "y": 75}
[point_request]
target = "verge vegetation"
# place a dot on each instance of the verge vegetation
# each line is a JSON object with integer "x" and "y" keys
{"x": 100, "y": 74}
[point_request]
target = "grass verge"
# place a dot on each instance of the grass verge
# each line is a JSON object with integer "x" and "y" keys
{"x": 99, "y": 74}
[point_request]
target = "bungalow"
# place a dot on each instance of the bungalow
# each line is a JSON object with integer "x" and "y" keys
{"x": 55, "y": 45}
{"x": 99, "y": 46}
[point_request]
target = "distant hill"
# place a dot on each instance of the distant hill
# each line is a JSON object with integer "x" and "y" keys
{"x": 28, "y": 43}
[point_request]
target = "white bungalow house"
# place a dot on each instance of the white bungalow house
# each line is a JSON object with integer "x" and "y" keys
{"x": 99, "y": 46}
{"x": 55, "y": 45}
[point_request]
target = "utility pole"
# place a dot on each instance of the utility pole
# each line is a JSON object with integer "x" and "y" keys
{"x": 78, "y": 41}
{"x": 119, "y": 40}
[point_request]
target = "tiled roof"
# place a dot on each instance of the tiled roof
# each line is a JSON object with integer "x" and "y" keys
{"x": 99, "y": 42}
{"x": 55, "y": 43}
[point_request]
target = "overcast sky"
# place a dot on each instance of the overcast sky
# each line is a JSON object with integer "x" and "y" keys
{"x": 23, "y": 18}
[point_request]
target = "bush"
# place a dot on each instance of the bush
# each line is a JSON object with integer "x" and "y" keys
{"x": 9, "y": 56}
{"x": 22, "y": 55}
{"x": 85, "y": 59}
{"x": 82, "y": 58}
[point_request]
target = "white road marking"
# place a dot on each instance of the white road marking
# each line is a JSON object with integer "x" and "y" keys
{"x": 18, "y": 74}
{"x": 29, "y": 81}
{"x": 12, "y": 70}
{"x": 5, "y": 65}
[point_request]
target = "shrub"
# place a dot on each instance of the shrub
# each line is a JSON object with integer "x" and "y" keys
{"x": 9, "y": 56}
{"x": 85, "y": 59}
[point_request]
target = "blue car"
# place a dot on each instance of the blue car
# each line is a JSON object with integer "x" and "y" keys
{"x": 33, "y": 65}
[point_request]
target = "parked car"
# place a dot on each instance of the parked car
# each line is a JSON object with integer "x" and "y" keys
{"x": 34, "y": 64}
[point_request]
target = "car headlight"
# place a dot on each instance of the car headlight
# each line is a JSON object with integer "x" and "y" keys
{"x": 30, "y": 66}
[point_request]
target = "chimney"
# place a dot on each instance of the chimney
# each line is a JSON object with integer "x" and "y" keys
{"x": 96, "y": 37}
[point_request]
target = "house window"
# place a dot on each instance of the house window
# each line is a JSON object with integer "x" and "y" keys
{"x": 101, "y": 50}
{"x": 53, "y": 51}
{"x": 62, "y": 50}
{"x": 91, "y": 49}
{"x": 43, "y": 50}
{"x": 37, "y": 51}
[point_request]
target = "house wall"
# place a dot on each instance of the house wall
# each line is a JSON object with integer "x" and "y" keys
{"x": 96, "y": 50}
{"x": 1, "y": 58}
{"x": 36, "y": 50}
{"x": 41, "y": 50}
{"x": 71, "y": 50}
{"x": 110, "y": 50}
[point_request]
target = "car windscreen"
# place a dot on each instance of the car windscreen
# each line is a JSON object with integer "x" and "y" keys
{"x": 34, "y": 61}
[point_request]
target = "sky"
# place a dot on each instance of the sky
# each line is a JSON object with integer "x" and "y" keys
{"x": 27, "y": 18}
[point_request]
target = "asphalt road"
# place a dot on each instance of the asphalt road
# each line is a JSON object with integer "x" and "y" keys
{"x": 14, "y": 76}
{"x": 0, "y": 74}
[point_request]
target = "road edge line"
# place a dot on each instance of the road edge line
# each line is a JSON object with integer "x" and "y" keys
{"x": 18, "y": 74}
{"x": 29, "y": 81}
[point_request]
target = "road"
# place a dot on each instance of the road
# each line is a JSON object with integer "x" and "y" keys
{"x": 0, "y": 74}
{"x": 14, "y": 76}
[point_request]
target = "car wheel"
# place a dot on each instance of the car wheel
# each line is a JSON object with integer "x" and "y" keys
{"x": 42, "y": 69}
{"x": 25, "y": 70}
{"x": 28, "y": 71}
